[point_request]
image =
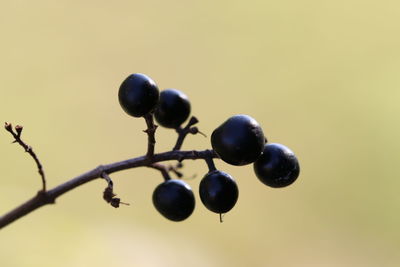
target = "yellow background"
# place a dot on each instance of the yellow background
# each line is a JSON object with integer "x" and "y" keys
{"x": 321, "y": 77}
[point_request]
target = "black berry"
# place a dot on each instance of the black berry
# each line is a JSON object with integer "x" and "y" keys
{"x": 173, "y": 108}
{"x": 138, "y": 95}
{"x": 277, "y": 166}
{"x": 239, "y": 140}
{"x": 174, "y": 199}
{"x": 218, "y": 191}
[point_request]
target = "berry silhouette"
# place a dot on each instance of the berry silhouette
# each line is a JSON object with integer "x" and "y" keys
{"x": 173, "y": 108}
{"x": 277, "y": 166}
{"x": 174, "y": 199}
{"x": 218, "y": 191}
{"x": 138, "y": 95}
{"x": 239, "y": 140}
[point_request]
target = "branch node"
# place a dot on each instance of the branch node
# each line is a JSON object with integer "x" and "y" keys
{"x": 183, "y": 132}
{"x": 45, "y": 197}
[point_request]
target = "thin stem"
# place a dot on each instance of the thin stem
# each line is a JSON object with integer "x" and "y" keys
{"x": 175, "y": 169}
{"x": 210, "y": 164}
{"x": 183, "y": 132}
{"x": 48, "y": 197}
{"x": 166, "y": 169}
{"x": 163, "y": 169}
{"x": 17, "y": 136}
{"x": 151, "y": 129}
{"x": 108, "y": 193}
{"x": 106, "y": 177}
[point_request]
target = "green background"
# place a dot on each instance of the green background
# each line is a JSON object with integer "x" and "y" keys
{"x": 321, "y": 77}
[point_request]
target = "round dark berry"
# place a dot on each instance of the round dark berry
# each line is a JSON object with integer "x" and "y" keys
{"x": 174, "y": 199}
{"x": 138, "y": 95}
{"x": 218, "y": 191}
{"x": 173, "y": 108}
{"x": 239, "y": 140}
{"x": 277, "y": 166}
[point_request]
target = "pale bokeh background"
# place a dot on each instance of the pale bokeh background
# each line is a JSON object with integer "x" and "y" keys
{"x": 322, "y": 77}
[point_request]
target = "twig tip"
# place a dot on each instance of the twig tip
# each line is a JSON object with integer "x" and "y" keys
{"x": 8, "y": 126}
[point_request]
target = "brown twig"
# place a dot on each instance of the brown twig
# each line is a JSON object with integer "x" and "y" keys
{"x": 17, "y": 136}
{"x": 163, "y": 169}
{"x": 183, "y": 132}
{"x": 151, "y": 130}
{"x": 48, "y": 197}
{"x": 175, "y": 169}
{"x": 151, "y": 160}
{"x": 166, "y": 169}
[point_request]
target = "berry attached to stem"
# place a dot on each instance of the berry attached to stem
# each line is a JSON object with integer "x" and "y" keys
{"x": 218, "y": 191}
{"x": 138, "y": 95}
{"x": 173, "y": 108}
{"x": 277, "y": 166}
{"x": 239, "y": 140}
{"x": 174, "y": 199}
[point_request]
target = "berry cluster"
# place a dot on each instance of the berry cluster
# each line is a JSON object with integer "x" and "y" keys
{"x": 238, "y": 141}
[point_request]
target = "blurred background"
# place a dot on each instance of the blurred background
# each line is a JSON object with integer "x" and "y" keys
{"x": 321, "y": 77}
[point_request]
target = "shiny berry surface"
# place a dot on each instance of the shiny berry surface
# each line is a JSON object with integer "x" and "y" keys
{"x": 138, "y": 95}
{"x": 174, "y": 199}
{"x": 173, "y": 108}
{"x": 239, "y": 140}
{"x": 277, "y": 166}
{"x": 218, "y": 191}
